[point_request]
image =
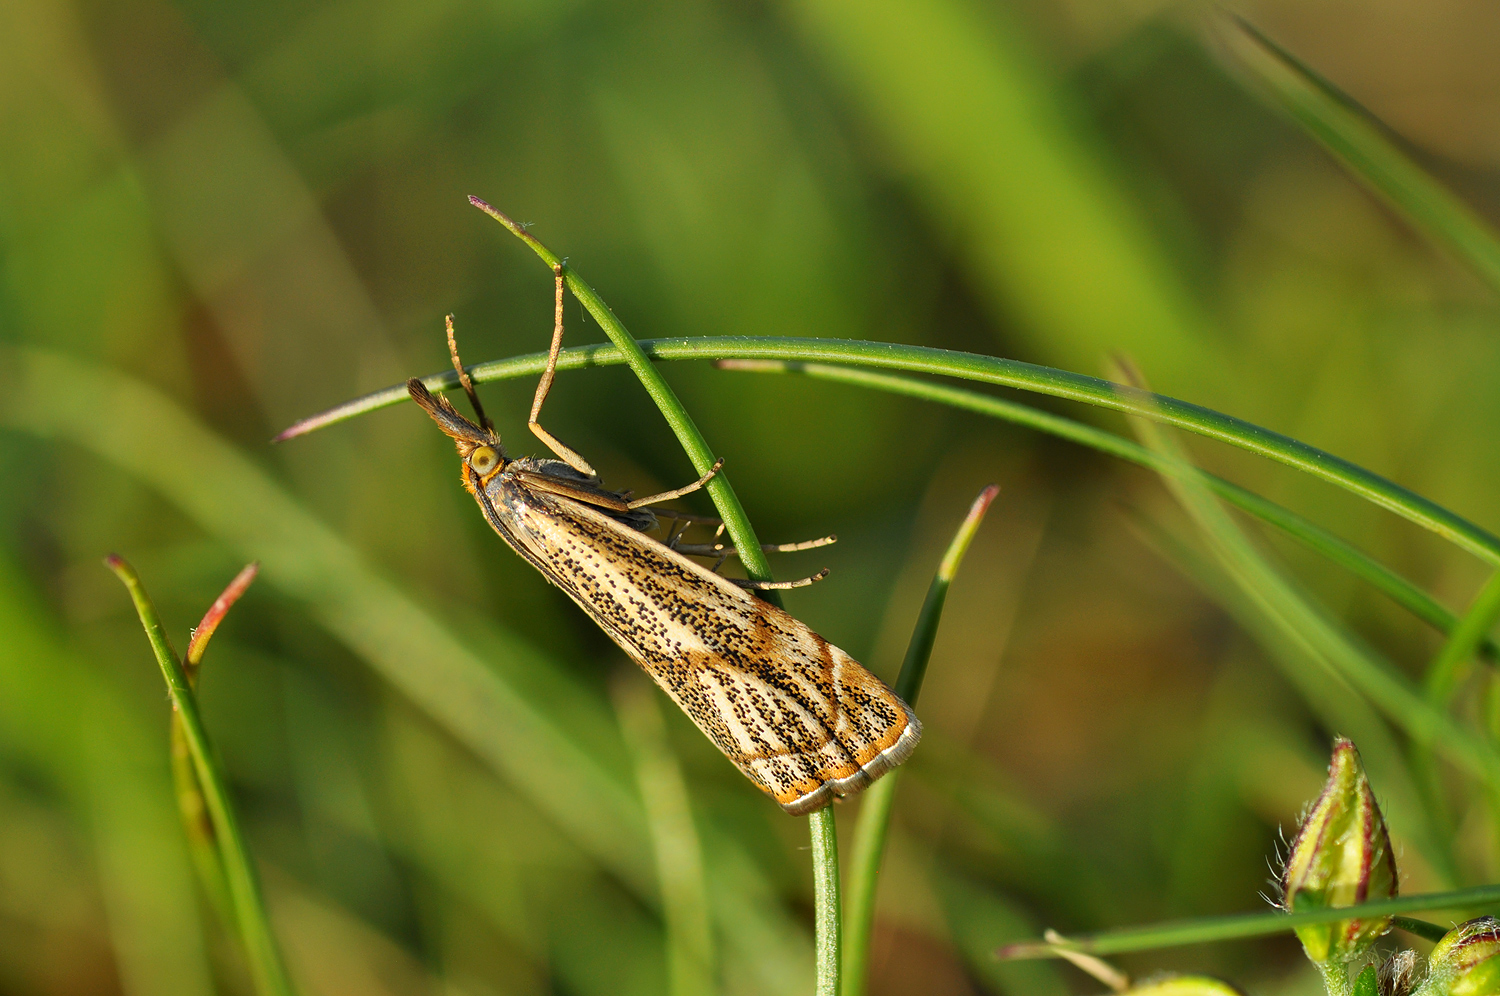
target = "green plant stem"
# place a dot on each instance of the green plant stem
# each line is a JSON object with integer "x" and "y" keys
{"x": 1421, "y": 928}
{"x": 1204, "y": 930}
{"x": 1357, "y": 138}
{"x": 827, "y": 911}
{"x": 261, "y": 951}
{"x": 1336, "y": 978}
{"x": 736, "y": 522}
{"x": 988, "y": 370}
{"x": 875, "y": 811}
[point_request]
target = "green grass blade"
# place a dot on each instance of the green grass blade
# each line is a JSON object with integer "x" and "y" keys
{"x": 1465, "y": 639}
{"x": 736, "y": 522}
{"x": 1403, "y": 592}
{"x": 875, "y": 811}
{"x": 1315, "y": 537}
{"x": 203, "y": 844}
{"x": 261, "y": 951}
{"x": 674, "y": 839}
{"x": 987, "y": 370}
{"x": 1203, "y": 930}
{"x": 1365, "y": 147}
{"x": 1264, "y": 587}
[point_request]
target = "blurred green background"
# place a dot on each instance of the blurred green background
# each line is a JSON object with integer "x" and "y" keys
{"x": 217, "y": 218}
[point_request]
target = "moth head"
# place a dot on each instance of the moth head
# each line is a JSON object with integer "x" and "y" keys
{"x": 478, "y": 447}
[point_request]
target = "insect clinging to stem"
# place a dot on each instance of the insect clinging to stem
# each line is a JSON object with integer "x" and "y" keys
{"x": 799, "y": 717}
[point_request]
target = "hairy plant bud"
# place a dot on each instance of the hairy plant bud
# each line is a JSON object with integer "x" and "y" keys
{"x": 1341, "y": 856}
{"x": 1397, "y": 975}
{"x": 1182, "y": 985}
{"x": 1466, "y": 962}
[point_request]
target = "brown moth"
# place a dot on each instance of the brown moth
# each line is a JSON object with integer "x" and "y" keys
{"x": 799, "y": 717}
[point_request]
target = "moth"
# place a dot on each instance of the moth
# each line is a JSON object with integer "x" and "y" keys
{"x": 798, "y": 716}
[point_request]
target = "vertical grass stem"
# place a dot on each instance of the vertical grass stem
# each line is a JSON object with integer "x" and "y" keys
{"x": 828, "y": 925}
{"x": 875, "y": 811}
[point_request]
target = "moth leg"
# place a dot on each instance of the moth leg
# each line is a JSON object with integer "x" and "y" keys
{"x": 564, "y": 452}
{"x": 779, "y": 585}
{"x": 678, "y": 528}
{"x": 710, "y": 549}
{"x": 687, "y": 490}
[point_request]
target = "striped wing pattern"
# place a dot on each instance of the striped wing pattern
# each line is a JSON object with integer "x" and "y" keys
{"x": 799, "y": 717}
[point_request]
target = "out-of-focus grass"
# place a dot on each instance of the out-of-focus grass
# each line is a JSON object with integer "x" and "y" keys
{"x": 260, "y": 213}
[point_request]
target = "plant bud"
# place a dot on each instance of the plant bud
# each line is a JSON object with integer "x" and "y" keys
{"x": 1466, "y": 962}
{"x": 1341, "y": 856}
{"x": 1182, "y": 985}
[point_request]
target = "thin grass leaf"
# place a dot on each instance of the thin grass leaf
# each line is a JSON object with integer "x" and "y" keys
{"x": 1365, "y": 146}
{"x": 261, "y": 951}
{"x": 1465, "y": 639}
{"x": 983, "y": 369}
{"x": 736, "y": 522}
{"x": 1204, "y": 930}
{"x": 674, "y": 839}
{"x": 1264, "y": 586}
{"x": 1311, "y": 535}
{"x": 203, "y": 845}
{"x": 875, "y": 811}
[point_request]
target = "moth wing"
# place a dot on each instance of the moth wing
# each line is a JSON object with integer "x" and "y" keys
{"x": 798, "y": 716}
{"x": 803, "y": 735}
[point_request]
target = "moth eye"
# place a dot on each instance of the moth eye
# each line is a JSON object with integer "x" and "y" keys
{"x": 484, "y": 460}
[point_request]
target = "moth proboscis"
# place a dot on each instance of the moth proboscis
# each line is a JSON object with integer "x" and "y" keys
{"x": 799, "y": 717}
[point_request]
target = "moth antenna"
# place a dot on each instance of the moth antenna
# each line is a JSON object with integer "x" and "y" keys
{"x": 463, "y": 378}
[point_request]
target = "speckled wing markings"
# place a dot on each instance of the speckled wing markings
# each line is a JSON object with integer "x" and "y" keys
{"x": 802, "y": 719}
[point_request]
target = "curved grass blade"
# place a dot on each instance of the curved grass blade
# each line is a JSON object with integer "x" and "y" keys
{"x": 875, "y": 811}
{"x": 736, "y": 522}
{"x": 1203, "y": 930}
{"x": 988, "y": 370}
{"x": 1365, "y": 147}
{"x": 1306, "y": 626}
{"x": 266, "y": 966}
{"x": 1403, "y": 592}
{"x": 1315, "y": 537}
